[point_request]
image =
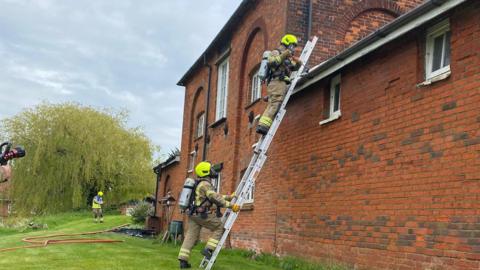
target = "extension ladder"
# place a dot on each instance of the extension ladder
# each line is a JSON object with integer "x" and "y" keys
{"x": 258, "y": 159}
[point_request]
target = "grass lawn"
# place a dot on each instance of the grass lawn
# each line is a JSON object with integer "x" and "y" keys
{"x": 133, "y": 253}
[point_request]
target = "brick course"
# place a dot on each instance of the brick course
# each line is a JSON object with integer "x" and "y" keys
{"x": 393, "y": 183}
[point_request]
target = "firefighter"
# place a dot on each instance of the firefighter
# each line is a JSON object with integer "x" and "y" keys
{"x": 281, "y": 63}
{"x": 97, "y": 207}
{"x": 202, "y": 214}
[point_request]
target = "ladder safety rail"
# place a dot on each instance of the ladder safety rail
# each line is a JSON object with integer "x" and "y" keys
{"x": 258, "y": 159}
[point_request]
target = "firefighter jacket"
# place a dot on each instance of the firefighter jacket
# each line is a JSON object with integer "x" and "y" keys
{"x": 206, "y": 197}
{"x": 97, "y": 202}
{"x": 282, "y": 64}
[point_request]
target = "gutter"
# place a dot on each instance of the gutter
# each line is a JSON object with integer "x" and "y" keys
{"x": 402, "y": 25}
{"x": 207, "y": 108}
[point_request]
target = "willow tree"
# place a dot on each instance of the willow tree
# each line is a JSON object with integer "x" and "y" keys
{"x": 73, "y": 152}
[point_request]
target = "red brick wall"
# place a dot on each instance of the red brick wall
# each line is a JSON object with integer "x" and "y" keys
{"x": 339, "y": 23}
{"x": 393, "y": 184}
{"x": 364, "y": 24}
{"x": 263, "y": 27}
{"x": 172, "y": 179}
{"x": 383, "y": 186}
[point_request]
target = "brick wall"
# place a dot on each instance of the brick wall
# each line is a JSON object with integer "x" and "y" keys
{"x": 172, "y": 180}
{"x": 339, "y": 24}
{"x": 382, "y": 187}
{"x": 392, "y": 184}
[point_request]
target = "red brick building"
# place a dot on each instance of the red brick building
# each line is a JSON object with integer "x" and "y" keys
{"x": 376, "y": 163}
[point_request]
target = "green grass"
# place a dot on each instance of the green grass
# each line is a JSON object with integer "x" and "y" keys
{"x": 133, "y": 253}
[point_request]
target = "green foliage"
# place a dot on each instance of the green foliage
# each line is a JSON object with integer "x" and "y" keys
{"x": 289, "y": 263}
{"x": 141, "y": 211}
{"x": 73, "y": 152}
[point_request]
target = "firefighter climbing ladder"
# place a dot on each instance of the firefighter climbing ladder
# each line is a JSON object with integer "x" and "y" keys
{"x": 258, "y": 159}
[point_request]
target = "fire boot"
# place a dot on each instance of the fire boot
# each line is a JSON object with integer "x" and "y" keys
{"x": 207, "y": 253}
{"x": 184, "y": 264}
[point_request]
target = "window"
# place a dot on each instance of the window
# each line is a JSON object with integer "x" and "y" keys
{"x": 216, "y": 182}
{"x": 334, "y": 106}
{"x": 200, "y": 125}
{"x": 250, "y": 192}
{"x": 438, "y": 50}
{"x": 249, "y": 198}
{"x": 191, "y": 165}
{"x": 256, "y": 88}
{"x": 222, "y": 90}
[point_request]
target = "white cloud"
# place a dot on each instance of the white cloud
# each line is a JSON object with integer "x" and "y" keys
{"x": 112, "y": 53}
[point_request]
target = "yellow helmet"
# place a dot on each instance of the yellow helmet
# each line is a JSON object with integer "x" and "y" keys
{"x": 100, "y": 193}
{"x": 289, "y": 39}
{"x": 203, "y": 168}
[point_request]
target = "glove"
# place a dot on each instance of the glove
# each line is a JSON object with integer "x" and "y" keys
{"x": 235, "y": 208}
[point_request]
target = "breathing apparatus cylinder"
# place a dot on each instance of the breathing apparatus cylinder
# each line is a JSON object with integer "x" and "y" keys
{"x": 263, "y": 71}
{"x": 186, "y": 194}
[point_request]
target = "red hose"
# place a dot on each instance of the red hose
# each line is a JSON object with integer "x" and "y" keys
{"x": 49, "y": 241}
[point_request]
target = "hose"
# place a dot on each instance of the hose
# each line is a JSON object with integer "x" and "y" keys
{"x": 37, "y": 243}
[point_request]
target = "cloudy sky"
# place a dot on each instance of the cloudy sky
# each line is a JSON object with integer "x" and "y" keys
{"x": 110, "y": 53}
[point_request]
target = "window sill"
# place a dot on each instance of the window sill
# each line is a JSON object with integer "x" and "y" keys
{"x": 218, "y": 122}
{"x": 434, "y": 79}
{"x": 198, "y": 138}
{"x": 247, "y": 206}
{"x": 253, "y": 103}
{"x": 330, "y": 119}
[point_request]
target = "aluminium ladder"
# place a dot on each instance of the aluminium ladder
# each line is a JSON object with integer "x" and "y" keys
{"x": 258, "y": 159}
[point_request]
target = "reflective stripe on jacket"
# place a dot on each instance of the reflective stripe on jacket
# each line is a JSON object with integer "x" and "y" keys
{"x": 97, "y": 202}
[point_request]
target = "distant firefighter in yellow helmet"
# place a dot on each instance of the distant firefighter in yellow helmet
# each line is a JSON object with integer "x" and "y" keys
{"x": 198, "y": 199}
{"x": 280, "y": 62}
{"x": 97, "y": 207}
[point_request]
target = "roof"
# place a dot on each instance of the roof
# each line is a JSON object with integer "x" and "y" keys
{"x": 173, "y": 158}
{"x": 395, "y": 29}
{"x": 222, "y": 35}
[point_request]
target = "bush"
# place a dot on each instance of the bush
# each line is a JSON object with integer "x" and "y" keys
{"x": 141, "y": 211}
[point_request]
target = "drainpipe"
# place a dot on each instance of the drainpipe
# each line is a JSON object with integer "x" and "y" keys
{"x": 207, "y": 107}
{"x": 159, "y": 178}
{"x": 309, "y": 22}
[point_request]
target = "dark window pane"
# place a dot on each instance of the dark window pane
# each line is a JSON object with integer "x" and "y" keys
{"x": 336, "y": 101}
{"x": 446, "y": 62}
{"x": 437, "y": 53}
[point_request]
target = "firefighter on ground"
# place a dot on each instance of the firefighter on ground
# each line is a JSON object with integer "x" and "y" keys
{"x": 97, "y": 207}
{"x": 281, "y": 63}
{"x": 201, "y": 213}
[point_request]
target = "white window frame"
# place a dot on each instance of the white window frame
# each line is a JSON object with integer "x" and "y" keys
{"x": 440, "y": 29}
{"x": 250, "y": 194}
{"x": 222, "y": 90}
{"x": 193, "y": 157}
{"x": 334, "y": 114}
{"x": 256, "y": 87}
{"x": 200, "y": 125}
